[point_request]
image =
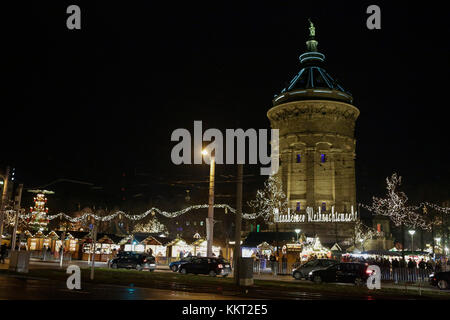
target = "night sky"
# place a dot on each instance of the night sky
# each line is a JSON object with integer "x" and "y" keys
{"x": 95, "y": 103}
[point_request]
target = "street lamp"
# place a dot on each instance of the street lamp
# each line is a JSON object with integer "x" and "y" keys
{"x": 210, "y": 219}
{"x": 297, "y": 231}
{"x": 5, "y": 180}
{"x": 362, "y": 245}
{"x": 411, "y": 232}
{"x": 438, "y": 240}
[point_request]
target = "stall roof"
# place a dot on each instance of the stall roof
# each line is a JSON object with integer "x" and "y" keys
{"x": 52, "y": 234}
{"x": 382, "y": 253}
{"x": 85, "y": 235}
{"x": 255, "y": 238}
{"x": 140, "y": 237}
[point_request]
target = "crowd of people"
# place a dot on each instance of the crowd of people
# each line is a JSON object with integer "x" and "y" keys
{"x": 397, "y": 263}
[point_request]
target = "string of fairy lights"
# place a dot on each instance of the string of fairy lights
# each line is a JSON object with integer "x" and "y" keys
{"x": 174, "y": 214}
{"x": 394, "y": 206}
{"x": 136, "y": 217}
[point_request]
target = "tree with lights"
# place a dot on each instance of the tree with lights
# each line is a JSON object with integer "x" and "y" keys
{"x": 363, "y": 233}
{"x": 38, "y": 220}
{"x": 395, "y": 207}
{"x": 269, "y": 200}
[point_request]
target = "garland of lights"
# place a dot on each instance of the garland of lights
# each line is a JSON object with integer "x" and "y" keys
{"x": 143, "y": 215}
{"x": 272, "y": 197}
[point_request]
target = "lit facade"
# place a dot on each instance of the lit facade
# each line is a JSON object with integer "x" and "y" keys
{"x": 316, "y": 121}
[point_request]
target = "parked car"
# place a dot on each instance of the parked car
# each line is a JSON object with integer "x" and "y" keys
{"x": 175, "y": 265}
{"x": 440, "y": 279}
{"x": 211, "y": 266}
{"x": 349, "y": 272}
{"x": 138, "y": 261}
{"x": 303, "y": 270}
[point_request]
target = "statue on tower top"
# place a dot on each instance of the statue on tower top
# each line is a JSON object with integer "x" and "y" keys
{"x": 312, "y": 29}
{"x": 311, "y": 44}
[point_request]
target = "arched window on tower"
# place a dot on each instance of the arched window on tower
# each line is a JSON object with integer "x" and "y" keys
{"x": 323, "y": 157}
{"x": 324, "y": 206}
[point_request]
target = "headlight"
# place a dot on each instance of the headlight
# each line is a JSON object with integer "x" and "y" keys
{"x": 310, "y": 273}
{"x": 431, "y": 275}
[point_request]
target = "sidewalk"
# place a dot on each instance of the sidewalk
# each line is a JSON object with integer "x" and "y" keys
{"x": 389, "y": 285}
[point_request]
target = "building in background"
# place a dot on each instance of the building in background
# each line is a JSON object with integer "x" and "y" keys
{"x": 316, "y": 121}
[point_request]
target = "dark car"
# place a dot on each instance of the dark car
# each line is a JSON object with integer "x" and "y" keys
{"x": 304, "y": 270}
{"x": 440, "y": 279}
{"x": 349, "y": 272}
{"x": 138, "y": 261}
{"x": 211, "y": 266}
{"x": 175, "y": 265}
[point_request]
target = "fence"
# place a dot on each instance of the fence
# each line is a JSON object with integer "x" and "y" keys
{"x": 274, "y": 267}
{"x": 387, "y": 274}
{"x": 405, "y": 274}
{"x": 48, "y": 256}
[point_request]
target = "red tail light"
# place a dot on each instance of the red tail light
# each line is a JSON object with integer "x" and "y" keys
{"x": 369, "y": 271}
{"x": 145, "y": 260}
{"x": 220, "y": 266}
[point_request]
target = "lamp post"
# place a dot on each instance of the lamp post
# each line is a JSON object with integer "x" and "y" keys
{"x": 210, "y": 219}
{"x": 4, "y": 199}
{"x": 438, "y": 240}
{"x": 411, "y": 232}
{"x": 297, "y": 231}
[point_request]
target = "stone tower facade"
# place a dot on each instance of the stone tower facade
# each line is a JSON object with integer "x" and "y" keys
{"x": 316, "y": 122}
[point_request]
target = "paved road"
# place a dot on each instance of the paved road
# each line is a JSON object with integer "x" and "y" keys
{"x": 118, "y": 292}
{"x": 13, "y": 288}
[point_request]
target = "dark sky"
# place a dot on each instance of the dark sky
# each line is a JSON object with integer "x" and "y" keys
{"x": 95, "y": 103}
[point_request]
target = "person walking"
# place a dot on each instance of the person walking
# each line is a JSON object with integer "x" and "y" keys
{"x": 3, "y": 253}
{"x": 438, "y": 266}
{"x": 422, "y": 266}
{"x": 395, "y": 269}
{"x": 273, "y": 263}
{"x": 412, "y": 270}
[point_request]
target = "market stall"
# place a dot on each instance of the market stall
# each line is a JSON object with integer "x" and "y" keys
{"x": 199, "y": 248}
{"x": 50, "y": 241}
{"x": 157, "y": 248}
{"x": 88, "y": 249}
{"x": 179, "y": 248}
{"x": 72, "y": 245}
{"x": 312, "y": 248}
{"x": 36, "y": 241}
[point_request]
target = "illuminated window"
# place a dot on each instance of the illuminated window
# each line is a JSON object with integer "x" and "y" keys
{"x": 201, "y": 223}
{"x": 324, "y": 206}
{"x": 257, "y": 228}
{"x": 323, "y": 158}
{"x": 298, "y": 206}
{"x": 299, "y": 158}
{"x": 195, "y": 223}
{"x": 251, "y": 227}
{"x": 187, "y": 223}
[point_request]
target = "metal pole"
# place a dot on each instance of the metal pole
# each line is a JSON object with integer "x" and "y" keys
{"x": 403, "y": 241}
{"x": 210, "y": 225}
{"x": 16, "y": 222}
{"x": 238, "y": 224}
{"x": 94, "y": 240}
{"x": 63, "y": 237}
{"x": 4, "y": 199}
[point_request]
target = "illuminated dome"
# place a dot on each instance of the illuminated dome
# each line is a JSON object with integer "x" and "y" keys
{"x": 312, "y": 82}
